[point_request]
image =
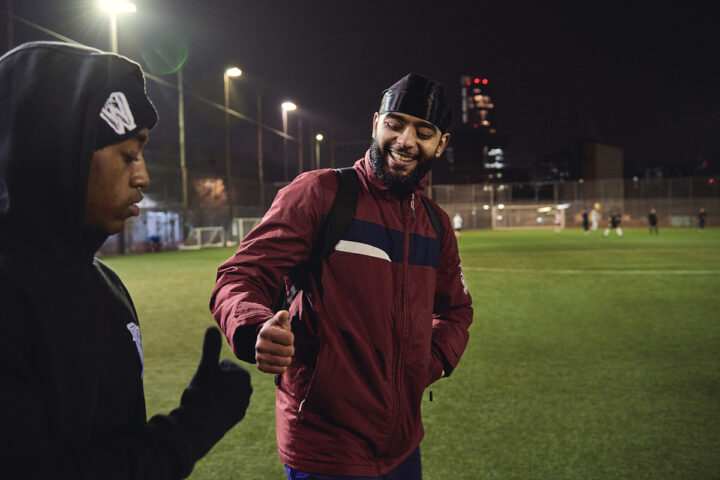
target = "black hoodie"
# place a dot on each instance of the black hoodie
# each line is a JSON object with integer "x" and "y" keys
{"x": 71, "y": 399}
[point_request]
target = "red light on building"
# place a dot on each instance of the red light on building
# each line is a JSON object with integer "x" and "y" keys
{"x": 477, "y": 80}
{"x": 711, "y": 181}
{"x": 484, "y": 81}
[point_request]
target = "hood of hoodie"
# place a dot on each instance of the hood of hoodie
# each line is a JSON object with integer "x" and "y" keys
{"x": 51, "y": 95}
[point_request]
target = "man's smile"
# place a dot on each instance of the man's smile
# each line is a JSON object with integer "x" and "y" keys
{"x": 401, "y": 157}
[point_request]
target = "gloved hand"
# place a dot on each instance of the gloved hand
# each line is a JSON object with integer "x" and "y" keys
{"x": 215, "y": 400}
{"x": 226, "y": 381}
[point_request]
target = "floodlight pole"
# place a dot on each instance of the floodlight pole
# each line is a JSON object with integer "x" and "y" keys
{"x": 114, "y": 49}
{"x": 229, "y": 72}
{"x": 285, "y": 159}
{"x": 332, "y": 147}
{"x": 113, "y": 33}
{"x": 318, "y": 138}
{"x": 261, "y": 179}
{"x": 317, "y": 154}
{"x": 287, "y": 107}
{"x": 230, "y": 196}
{"x": 300, "y": 147}
{"x": 183, "y": 168}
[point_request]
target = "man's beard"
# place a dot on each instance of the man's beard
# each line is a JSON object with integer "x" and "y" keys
{"x": 399, "y": 185}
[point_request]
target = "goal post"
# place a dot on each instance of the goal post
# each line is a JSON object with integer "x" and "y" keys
{"x": 528, "y": 217}
{"x": 204, "y": 237}
{"x": 241, "y": 226}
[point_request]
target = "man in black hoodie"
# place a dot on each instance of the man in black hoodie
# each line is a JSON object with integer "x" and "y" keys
{"x": 73, "y": 125}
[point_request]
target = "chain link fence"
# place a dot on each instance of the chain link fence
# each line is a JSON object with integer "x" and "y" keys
{"x": 676, "y": 200}
{"x": 159, "y": 226}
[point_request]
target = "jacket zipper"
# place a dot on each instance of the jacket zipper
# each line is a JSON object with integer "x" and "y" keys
{"x": 299, "y": 412}
{"x": 400, "y": 351}
{"x": 299, "y": 416}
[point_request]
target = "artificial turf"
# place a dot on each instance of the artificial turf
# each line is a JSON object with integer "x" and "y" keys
{"x": 589, "y": 357}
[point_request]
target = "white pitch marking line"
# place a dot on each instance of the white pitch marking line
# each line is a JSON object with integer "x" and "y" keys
{"x": 594, "y": 272}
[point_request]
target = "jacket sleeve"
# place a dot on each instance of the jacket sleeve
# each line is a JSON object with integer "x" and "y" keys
{"x": 164, "y": 448}
{"x": 452, "y": 309}
{"x": 248, "y": 282}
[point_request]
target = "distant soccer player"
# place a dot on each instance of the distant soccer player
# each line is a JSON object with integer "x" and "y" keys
{"x": 614, "y": 224}
{"x": 457, "y": 224}
{"x": 702, "y": 218}
{"x": 75, "y": 123}
{"x": 653, "y": 221}
{"x": 595, "y": 217}
{"x": 585, "y": 221}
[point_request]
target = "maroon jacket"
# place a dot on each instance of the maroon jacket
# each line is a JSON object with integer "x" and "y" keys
{"x": 390, "y": 316}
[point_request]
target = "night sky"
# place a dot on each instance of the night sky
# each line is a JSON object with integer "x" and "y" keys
{"x": 644, "y": 78}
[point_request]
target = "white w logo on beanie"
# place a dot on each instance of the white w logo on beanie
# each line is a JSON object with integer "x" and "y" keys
{"x": 116, "y": 112}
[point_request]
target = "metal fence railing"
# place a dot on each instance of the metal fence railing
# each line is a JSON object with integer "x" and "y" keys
{"x": 676, "y": 200}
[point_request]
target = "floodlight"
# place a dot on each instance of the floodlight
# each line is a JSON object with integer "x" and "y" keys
{"x": 118, "y": 6}
{"x": 233, "y": 72}
{"x": 288, "y": 106}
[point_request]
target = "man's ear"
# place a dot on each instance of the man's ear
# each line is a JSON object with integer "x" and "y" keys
{"x": 444, "y": 140}
{"x": 375, "y": 122}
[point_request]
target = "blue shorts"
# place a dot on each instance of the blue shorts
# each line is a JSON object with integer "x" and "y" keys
{"x": 410, "y": 469}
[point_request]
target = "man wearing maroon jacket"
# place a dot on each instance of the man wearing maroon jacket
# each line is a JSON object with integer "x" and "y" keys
{"x": 386, "y": 315}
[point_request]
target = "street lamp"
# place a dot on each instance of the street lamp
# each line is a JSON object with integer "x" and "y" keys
{"x": 232, "y": 72}
{"x": 113, "y": 7}
{"x": 318, "y": 138}
{"x": 286, "y": 107}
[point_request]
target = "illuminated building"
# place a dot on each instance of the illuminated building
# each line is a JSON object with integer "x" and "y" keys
{"x": 478, "y": 109}
{"x": 479, "y": 149}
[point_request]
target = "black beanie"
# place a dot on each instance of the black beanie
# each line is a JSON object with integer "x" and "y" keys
{"x": 126, "y": 111}
{"x": 419, "y": 96}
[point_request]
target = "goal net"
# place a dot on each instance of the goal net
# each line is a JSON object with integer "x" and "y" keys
{"x": 523, "y": 217}
{"x": 204, "y": 237}
{"x": 241, "y": 226}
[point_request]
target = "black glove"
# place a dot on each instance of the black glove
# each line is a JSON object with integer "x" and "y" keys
{"x": 215, "y": 400}
{"x": 227, "y": 381}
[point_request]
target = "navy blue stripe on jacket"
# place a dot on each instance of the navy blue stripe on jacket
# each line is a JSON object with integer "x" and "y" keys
{"x": 423, "y": 250}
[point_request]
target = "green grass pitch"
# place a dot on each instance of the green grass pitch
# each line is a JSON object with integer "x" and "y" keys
{"x": 589, "y": 358}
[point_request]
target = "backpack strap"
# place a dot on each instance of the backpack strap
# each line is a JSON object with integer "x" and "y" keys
{"x": 335, "y": 224}
{"x": 330, "y": 231}
{"x": 341, "y": 213}
{"x": 434, "y": 219}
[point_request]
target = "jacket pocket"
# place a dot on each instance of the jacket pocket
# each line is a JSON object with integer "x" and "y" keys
{"x": 306, "y": 396}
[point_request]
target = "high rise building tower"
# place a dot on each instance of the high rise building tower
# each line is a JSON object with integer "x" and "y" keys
{"x": 480, "y": 125}
{"x": 478, "y": 109}
{"x": 477, "y": 149}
